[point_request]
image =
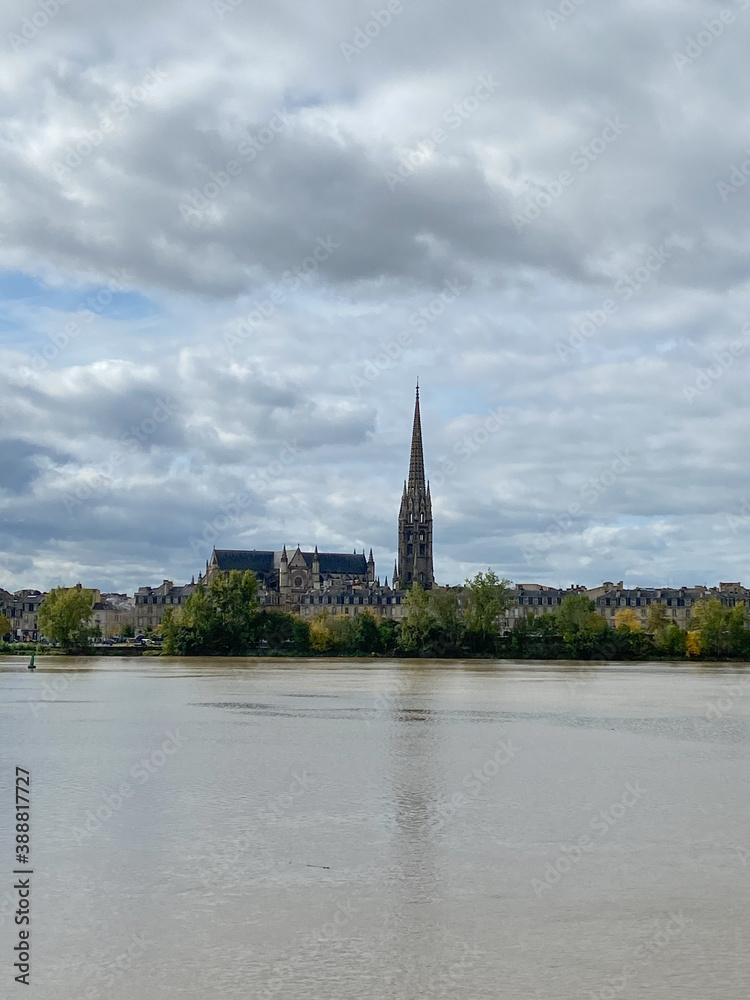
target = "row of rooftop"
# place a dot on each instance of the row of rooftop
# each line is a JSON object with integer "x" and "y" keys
{"x": 145, "y": 609}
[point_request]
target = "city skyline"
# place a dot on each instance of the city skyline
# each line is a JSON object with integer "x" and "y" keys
{"x": 280, "y": 228}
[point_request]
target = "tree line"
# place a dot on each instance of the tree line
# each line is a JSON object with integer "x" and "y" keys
{"x": 226, "y": 619}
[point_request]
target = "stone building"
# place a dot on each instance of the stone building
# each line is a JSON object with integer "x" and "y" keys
{"x": 150, "y": 603}
{"x": 22, "y": 610}
{"x": 677, "y": 602}
{"x": 113, "y": 613}
{"x": 283, "y": 579}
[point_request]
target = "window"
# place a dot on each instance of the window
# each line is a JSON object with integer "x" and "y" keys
{"x": 409, "y": 549}
{"x": 298, "y": 581}
{"x": 421, "y": 550}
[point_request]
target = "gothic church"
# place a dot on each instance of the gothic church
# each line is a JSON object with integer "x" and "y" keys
{"x": 306, "y": 582}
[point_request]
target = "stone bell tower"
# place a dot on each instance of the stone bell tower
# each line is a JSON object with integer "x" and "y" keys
{"x": 415, "y": 517}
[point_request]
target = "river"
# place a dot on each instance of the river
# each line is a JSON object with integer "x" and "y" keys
{"x": 291, "y": 829}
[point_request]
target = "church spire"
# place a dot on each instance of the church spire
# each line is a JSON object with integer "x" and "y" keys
{"x": 416, "y": 462}
{"x": 415, "y": 517}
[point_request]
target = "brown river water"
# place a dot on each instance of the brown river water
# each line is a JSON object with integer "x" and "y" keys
{"x": 291, "y": 829}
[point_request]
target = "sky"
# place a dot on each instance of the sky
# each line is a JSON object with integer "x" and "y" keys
{"x": 235, "y": 233}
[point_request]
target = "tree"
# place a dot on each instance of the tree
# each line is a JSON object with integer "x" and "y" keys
{"x": 449, "y": 628}
{"x": 218, "y": 619}
{"x": 487, "y": 598}
{"x": 693, "y": 644}
{"x": 321, "y": 636}
{"x": 128, "y": 631}
{"x": 389, "y": 632}
{"x": 627, "y": 619}
{"x": 5, "y": 626}
{"x": 721, "y": 630}
{"x": 417, "y": 622}
{"x": 365, "y": 635}
{"x": 64, "y": 617}
{"x": 538, "y": 638}
{"x": 671, "y": 642}
{"x": 583, "y": 630}
{"x": 656, "y": 619}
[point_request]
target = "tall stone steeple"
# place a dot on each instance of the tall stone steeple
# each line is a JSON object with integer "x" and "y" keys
{"x": 415, "y": 517}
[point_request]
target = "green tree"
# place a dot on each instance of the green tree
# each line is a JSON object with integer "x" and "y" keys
{"x": 486, "y": 599}
{"x": 128, "y": 631}
{"x": 5, "y": 626}
{"x": 417, "y": 622}
{"x": 722, "y": 632}
{"x": 538, "y": 637}
{"x": 586, "y": 633}
{"x": 671, "y": 641}
{"x": 218, "y": 619}
{"x": 389, "y": 632}
{"x": 365, "y": 635}
{"x": 64, "y": 618}
{"x": 449, "y": 628}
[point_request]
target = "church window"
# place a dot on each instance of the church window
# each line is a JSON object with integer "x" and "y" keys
{"x": 408, "y": 536}
{"x": 421, "y": 536}
{"x": 298, "y": 581}
{"x": 421, "y": 518}
{"x": 421, "y": 550}
{"x": 409, "y": 549}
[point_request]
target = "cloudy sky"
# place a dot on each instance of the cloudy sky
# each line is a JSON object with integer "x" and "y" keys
{"x": 234, "y": 233}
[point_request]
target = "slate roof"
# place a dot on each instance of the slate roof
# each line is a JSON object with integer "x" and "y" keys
{"x": 347, "y": 563}
{"x": 261, "y": 561}
{"x": 254, "y": 559}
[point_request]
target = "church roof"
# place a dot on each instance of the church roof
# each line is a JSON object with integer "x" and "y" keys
{"x": 261, "y": 561}
{"x": 339, "y": 562}
{"x": 256, "y": 560}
